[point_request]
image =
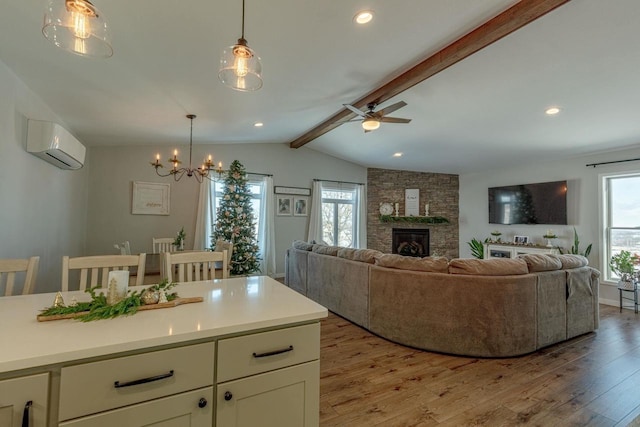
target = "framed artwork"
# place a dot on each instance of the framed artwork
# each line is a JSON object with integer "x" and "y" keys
{"x": 300, "y": 191}
{"x": 150, "y": 198}
{"x": 521, "y": 240}
{"x": 283, "y": 206}
{"x": 300, "y": 206}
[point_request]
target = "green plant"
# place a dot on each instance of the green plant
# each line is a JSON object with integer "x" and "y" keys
{"x": 179, "y": 240}
{"x": 623, "y": 264}
{"x": 575, "y": 249}
{"x": 477, "y": 248}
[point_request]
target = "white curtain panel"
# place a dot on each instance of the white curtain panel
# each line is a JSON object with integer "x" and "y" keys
{"x": 205, "y": 214}
{"x": 315, "y": 219}
{"x": 266, "y": 237}
{"x": 361, "y": 238}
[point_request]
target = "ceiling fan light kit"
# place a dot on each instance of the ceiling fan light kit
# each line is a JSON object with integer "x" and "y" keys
{"x": 77, "y": 26}
{"x": 240, "y": 66}
{"x": 371, "y": 119}
{"x": 370, "y": 124}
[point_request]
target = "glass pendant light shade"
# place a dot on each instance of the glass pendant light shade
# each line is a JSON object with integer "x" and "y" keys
{"x": 77, "y": 26}
{"x": 240, "y": 67}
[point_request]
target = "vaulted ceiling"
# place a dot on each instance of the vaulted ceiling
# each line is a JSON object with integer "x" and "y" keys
{"x": 486, "y": 110}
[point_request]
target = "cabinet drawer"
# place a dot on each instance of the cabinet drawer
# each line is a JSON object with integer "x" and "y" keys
{"x": 252, "y": 354}
{"x": 99, "y": 386}
{"x": 192, "y": 409}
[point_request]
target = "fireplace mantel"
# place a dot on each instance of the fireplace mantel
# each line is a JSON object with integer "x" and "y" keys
{"x": 415, "y": 219}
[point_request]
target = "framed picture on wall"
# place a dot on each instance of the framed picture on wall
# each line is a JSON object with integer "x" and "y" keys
{"x": 300, "y": 206}
{"x": 283, "y": 206}
{"x": 150, "y": 198}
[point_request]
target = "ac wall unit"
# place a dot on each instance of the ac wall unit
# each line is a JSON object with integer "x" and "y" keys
{"x": 54, "y": 144}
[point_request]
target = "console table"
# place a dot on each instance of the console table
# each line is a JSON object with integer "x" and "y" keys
{"x": 502, "y": 250}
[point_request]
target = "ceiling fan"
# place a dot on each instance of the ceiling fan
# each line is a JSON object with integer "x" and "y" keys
{"x": 371, "y": 119}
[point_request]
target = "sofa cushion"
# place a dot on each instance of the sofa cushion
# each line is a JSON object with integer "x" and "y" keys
{"x": 325, "y": 250}
{"x": 541, "y": 262}
{"x": 401, "y": 262}
{"x": 570, "y": 261}
{"x": 302, "y": 245}
{"x": 488, "y": 267}
{"x": 362, "y": 255}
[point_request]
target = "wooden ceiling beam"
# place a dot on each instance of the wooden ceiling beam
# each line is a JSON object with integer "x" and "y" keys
{"x": 512, "y": 19}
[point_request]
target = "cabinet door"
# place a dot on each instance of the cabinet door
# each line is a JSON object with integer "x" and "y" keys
{"x": 185, "y": 409}
{"x": 288, "y": 397}
{"x": 14, "y": 395}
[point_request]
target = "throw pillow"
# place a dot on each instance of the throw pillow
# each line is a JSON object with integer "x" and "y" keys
{"x": 541, "y": 262}
{"x": 488, "y": 267}
{"x": 361, "y": 255}
{"x": 401, "y": 262}
{"x": 302, "y": 245}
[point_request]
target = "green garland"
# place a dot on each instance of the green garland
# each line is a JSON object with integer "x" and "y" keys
{"x": 98, "y": 309}
{"x": 415, "y": 219}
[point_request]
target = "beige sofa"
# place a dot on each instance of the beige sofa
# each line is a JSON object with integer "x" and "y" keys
{"x": 481, "y": 308}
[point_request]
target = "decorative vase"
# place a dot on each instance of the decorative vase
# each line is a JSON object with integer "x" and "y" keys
{"x": 549, "y": 244}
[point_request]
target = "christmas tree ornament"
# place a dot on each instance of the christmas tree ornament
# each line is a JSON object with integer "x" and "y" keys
{"x": 58, "y": 301}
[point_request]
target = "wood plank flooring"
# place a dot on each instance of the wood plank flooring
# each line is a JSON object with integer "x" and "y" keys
{"x": 592, "y": 380}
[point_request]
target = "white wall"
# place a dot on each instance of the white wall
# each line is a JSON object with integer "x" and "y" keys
{"x": 114, "y": 169}
{"x": 42, "y": 208}
{"x": 582, "y": 203}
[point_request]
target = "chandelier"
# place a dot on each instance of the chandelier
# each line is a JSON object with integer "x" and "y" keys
{"x": 77, "y": 26}
{"x": 200, "y": 173}
{"x": 240, "y": 66}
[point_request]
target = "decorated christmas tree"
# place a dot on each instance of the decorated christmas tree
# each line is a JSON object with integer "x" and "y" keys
{"x": 235, "y": 222}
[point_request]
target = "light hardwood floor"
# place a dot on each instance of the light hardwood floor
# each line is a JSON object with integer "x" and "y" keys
{"x": 592, "y": 380}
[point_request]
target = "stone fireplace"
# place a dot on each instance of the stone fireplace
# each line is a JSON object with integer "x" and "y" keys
{"x": 410, "y": 241}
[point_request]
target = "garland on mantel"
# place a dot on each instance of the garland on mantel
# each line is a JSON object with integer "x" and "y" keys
{"x": 415, "y": 219}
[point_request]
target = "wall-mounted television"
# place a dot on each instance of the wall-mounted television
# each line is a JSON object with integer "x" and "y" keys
{"x": 540, "y": 203}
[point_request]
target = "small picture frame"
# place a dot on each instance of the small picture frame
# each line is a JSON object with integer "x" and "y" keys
{"x": 521, "y": 240}
{"x": 300, "y": 206}
{"x": 283, "y": 206}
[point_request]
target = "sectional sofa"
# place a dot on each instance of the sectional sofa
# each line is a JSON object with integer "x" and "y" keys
{"x": 470, "y": 307}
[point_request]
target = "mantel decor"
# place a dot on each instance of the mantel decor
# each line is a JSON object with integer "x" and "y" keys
{"x": 414, "y": 219}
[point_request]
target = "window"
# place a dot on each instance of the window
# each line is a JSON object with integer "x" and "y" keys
{"x": 257, "y": 192}
{"x": 621, "y": 217}
{"x": 339, "y": 217}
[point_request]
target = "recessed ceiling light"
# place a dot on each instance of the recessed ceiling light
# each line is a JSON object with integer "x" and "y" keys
{"x": 363, "y": 17}
{"x": 552, "y": 111}
{"x": 258, "y": 124}
{"x": 397, "y": 154}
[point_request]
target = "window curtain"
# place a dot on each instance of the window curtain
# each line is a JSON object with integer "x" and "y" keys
{"x": 361, "y": 216}
{"x": 205, "y": 217}
{"x": 315, "y": 220}
{"x": 266, "y": 233}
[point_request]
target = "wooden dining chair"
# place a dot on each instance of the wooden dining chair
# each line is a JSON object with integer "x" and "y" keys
{"x": 223, "y": 245}
{"x": 9, "y": 268}
{"x": 194, "y": 266}
{"x": 163, "y": 244}
{"x": 99, "y": 267}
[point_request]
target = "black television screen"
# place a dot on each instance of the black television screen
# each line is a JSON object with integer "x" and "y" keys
{"x": 541, "y": 203}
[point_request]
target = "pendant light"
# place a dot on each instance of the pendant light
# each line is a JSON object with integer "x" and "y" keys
{"x": 240, "y": 66}
{"x": 77, "y": 26}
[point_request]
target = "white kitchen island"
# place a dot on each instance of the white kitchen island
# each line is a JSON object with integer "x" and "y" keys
{"x": 247, "y": 355}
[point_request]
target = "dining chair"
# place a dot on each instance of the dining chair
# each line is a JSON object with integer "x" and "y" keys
{"x": 194, "y": 266}
{"x": 163, "y": 244}
{"x": 223, "y": 245}
{"x": 9, "y": 268}
{"x": 99, "y": 267}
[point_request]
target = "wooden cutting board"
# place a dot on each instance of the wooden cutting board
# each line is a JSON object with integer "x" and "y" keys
{"x": 174, "y": 303}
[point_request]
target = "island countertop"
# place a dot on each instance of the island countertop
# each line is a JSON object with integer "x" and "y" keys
{"x": 230, "y": 306}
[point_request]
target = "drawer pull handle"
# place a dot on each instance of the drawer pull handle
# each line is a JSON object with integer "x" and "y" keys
{"x": 273, "y": 353}
{"x": 143, "y": 380}
{"x": 26, "y": 413}
{"x": 202, "y": 402}
{"x": 228, "y": 396}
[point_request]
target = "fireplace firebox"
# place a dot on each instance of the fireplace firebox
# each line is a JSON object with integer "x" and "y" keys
{"x": 410, "y": 241}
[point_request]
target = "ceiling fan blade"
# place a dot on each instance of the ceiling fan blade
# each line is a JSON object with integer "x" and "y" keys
{"x": 394, "y": 120}
{"x": 391, "y": 108}
{"x": 355, "y": 110}
{"x": 358, "y": 119}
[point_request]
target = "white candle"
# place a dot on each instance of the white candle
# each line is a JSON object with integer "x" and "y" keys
{"x": 119, "y": 281}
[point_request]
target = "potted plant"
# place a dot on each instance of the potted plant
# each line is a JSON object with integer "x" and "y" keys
{"x": 623, "y": 265}
{"x": 477, "y": 248}
{"x": 179, "y": 240}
